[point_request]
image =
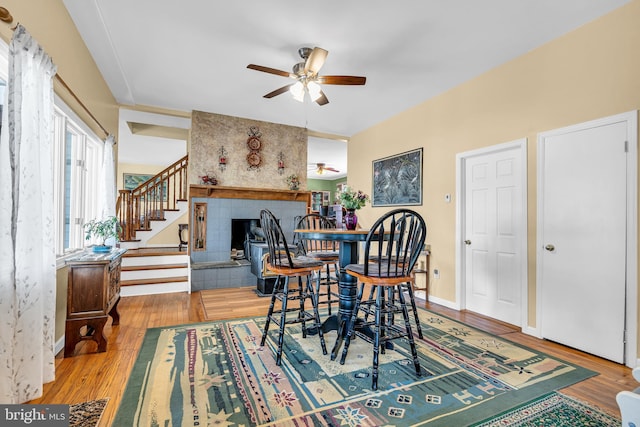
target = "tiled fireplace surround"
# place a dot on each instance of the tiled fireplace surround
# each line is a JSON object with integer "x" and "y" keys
{"x": 212, "y": 268}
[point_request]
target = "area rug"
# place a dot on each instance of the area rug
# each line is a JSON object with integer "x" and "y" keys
{"x": 557, "y": 410}
{"x": 86, "y": 414}
{"x": 217, "y": 373}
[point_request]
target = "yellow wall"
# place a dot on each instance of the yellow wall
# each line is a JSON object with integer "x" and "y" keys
{"x": 61, "y": 301}
{"x": 589, "y": 73}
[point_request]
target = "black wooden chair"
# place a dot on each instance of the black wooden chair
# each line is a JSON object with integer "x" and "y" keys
{"x": 321, "y": 250}
{"x": 391, "y": 250}
{"x": 409, "y": 288}
{"x": 285, "y": 265}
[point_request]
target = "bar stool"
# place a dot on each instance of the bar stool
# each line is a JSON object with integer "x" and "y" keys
{"x": 285, "y": 266}
{"x": 408, "y": 287}
{"x": 325, "y": 251}
{"x": 395, "y": 241}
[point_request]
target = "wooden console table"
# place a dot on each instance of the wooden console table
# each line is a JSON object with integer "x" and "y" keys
{"x": 93, "y": 294}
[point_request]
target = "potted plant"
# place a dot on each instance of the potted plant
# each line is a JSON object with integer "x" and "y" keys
{"x": 103, "y": 230}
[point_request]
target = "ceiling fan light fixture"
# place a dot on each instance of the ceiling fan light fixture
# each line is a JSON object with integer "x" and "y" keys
{"x": 297, "y": 90}
{"x": 314, "y": 90}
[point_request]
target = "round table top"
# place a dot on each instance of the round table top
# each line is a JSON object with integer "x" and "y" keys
{"x": 333, "y": 234}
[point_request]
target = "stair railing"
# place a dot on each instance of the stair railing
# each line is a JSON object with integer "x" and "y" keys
{"x": 148, "y": 201}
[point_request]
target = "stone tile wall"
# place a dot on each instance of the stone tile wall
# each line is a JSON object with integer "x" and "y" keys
{"x": 210, "y": 132}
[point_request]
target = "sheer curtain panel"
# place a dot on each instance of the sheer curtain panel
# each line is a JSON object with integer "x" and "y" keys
{"x": 108, "y": 183}
{"x": 27, "y": 253}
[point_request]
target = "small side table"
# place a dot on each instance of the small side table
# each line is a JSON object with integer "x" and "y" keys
{"x": 93, "y": 293}
{"x": 421, "y": 274}
{"x": 183, "y": 242}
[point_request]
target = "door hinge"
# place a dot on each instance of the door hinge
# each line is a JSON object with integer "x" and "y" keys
{"x": 626, "y": 146}
{"x": 80, "y": 163}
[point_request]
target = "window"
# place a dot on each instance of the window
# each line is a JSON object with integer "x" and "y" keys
{"x": 77, "y": 166}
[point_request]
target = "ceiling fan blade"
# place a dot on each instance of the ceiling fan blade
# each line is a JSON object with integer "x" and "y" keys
{"x": 322, "y": 99}
{"x": 315, "y": 61}
{"x": 279, "y": 91}
{"x": 341, "y": 80}
{"x": 270, "y": 70}
{"x": 331, "y": 169}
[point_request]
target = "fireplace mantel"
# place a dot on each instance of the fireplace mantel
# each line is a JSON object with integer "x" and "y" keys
{"x": 220, "y": 192}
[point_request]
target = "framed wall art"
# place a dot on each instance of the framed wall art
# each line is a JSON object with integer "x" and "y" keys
{"x": 397, "y": 180}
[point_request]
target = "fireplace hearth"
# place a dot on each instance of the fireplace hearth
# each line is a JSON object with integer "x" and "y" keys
{"x": 225, "y": 204}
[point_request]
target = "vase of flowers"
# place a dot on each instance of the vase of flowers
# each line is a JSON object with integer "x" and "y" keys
{"x": 293, "y": 182}
{"x": 352, "y": 200}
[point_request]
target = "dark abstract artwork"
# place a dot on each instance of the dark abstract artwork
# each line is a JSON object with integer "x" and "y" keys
{"x": 397, "y": 180}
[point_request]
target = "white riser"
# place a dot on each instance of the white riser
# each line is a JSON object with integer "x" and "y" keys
{"x": 148, "y": 274}
{"x": 160, "y": 288}
{"x": 155, "y": 260}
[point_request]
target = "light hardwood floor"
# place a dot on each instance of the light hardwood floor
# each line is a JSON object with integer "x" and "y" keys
{"x": 88, "y": 376}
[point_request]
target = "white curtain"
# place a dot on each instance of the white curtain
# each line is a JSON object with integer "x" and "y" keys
{"x": 108, "y": 183}
{"x": 27, "y": 252}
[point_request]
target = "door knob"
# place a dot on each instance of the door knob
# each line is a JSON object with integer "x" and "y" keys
{"x": 550, "y": 248}
{"x": 467, "y": 242}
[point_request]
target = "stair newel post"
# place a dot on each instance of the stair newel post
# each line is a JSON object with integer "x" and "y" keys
{"x": 172, "y": 177}
{"x": 164, "y": 190}
{"x": 126, "y": 214}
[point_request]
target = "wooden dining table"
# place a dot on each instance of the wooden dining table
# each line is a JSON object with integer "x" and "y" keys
{"x": 349, "y": 241}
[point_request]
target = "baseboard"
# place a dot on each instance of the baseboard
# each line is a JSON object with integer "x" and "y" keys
{"x": 444, "y": 302}
{"x": 59, "y": 345}
{"x": 530, "y": 330}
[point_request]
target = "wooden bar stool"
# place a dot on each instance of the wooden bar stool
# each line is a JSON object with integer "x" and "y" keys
{"x": 321, "y": 250}
{"x": 395, "y": 241}
{"x": 282, "y": 262}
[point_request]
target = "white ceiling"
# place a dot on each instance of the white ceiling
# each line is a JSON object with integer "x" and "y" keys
{"x": 192, "y": 54}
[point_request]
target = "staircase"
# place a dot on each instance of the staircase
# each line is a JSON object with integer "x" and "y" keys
{"x": 147, "y": 271}
{"x": 144, "y": 212}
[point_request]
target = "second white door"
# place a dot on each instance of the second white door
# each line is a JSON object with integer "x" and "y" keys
{"x": 583, "y": 236}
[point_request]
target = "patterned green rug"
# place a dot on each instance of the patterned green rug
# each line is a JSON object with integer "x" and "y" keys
{"x": 217, "y": 373}
{"x": 554, "y": 410}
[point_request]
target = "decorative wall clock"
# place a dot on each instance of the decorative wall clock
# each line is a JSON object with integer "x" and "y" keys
{"x": 254, "y": 159}
{"x": 254, "y": 143}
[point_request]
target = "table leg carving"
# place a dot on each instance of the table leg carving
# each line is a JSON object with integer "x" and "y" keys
{"x": 114, "y": 313}
{"x": 94, "y": 331}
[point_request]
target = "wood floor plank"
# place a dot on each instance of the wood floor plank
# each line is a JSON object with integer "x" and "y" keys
{"x": 88, "y": 376}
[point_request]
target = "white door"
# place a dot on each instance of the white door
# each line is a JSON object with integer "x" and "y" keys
{"x": 582, "y": 220}
{"x": 493, "y": 233}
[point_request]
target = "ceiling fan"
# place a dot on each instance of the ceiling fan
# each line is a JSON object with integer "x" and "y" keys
{"x": 321, "y": 168}
{"x": 306, "y": 76}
